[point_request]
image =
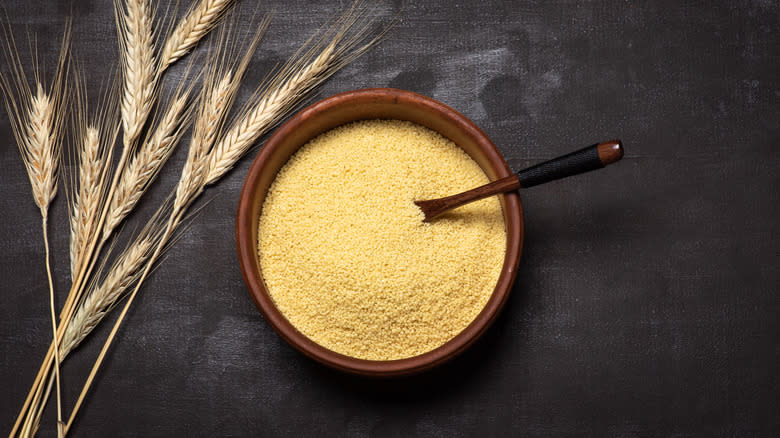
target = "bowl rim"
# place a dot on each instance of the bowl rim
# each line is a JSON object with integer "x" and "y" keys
{"x": 247, "y": 248}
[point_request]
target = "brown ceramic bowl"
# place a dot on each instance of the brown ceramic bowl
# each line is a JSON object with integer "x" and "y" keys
{"x": 376, "y": 103}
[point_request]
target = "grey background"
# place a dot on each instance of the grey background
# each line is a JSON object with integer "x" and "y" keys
{"x": 646, "y": 302}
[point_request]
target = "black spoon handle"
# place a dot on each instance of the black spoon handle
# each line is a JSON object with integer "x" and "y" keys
{"x": 591, "y": 158}
{"x": 581, "y": 161}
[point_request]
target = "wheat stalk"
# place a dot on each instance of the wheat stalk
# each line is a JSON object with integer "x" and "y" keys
{"x": 86, "y": 200}
{"x": 146, "y": 164}
{"x": 103, "y": 296}
{"x": 40, "y": 149}
{"x": 137, "y": 44}
{"x": 205, "y": 163}
{"x": 141, "y": 76}
{"x": 37, "y": 121}
{"x": 196, "y": 24}
{"x": 341, "y": 44}
{"x": 257, "y": 121}
{"x": 216, "y": 103}
{"x": 41, "y": 156}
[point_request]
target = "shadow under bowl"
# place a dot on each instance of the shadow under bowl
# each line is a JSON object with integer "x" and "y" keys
{"x": 366, "y": 104}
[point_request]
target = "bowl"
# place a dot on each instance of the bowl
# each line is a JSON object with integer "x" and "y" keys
{"x": 374, "y": 103}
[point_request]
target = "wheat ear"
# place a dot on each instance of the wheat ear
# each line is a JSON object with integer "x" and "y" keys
{"x": 137, "y": 44}
{"x": 338, "y": 46}
{"x": 257, "y": 121}
{"x": 40, "y": 149}
{"x": 194, "y": 26}
{"x": 105, "y": 295}
{"x": 87, "y": 198}
{"x": 216, "y": 103}
{"x": 94, "y": 152}
{"x": 146, "y": 164}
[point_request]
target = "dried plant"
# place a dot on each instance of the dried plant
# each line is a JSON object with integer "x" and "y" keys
{"x": 134, "y": 23}
{"x": 86, "y": 200}
{"x": 93, "y": 155}
{"x": 217, "y": 142}
{"x": 147, "y": 162}
{"x": 206, "y": 163}
{"x": 37, "y": 120}
{"x": 136, "y": 38}
{"x": 105, "y": 295}
{"x": 312, "y": 66}
{"x": 197, "y": 23}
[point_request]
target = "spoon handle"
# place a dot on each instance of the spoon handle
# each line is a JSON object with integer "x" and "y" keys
{"x": 581, "y": 161}
{"x": 584, "y": 160}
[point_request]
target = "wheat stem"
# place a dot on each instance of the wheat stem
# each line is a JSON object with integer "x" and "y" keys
{"x": 44, "y": 222}
{"x": 149, "y": 263}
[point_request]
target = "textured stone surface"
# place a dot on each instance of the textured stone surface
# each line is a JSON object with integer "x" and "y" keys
{"x": 646, "y": 302}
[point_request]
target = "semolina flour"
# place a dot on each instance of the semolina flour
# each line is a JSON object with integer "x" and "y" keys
{"x": 346, "y": 256}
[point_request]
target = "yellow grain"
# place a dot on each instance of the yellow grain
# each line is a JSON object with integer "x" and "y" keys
{"x": 346, "y": 256}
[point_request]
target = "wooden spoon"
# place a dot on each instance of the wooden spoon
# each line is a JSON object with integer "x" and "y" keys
{"x": 584, "y": 160}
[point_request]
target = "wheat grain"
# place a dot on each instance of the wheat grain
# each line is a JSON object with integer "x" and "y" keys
{"x": 195, "y": 25}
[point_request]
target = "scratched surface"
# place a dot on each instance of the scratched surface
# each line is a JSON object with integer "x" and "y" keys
{"x": 647, "y": 298}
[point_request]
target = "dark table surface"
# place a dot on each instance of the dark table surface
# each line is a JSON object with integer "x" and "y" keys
{"x": 646, "y": 303}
